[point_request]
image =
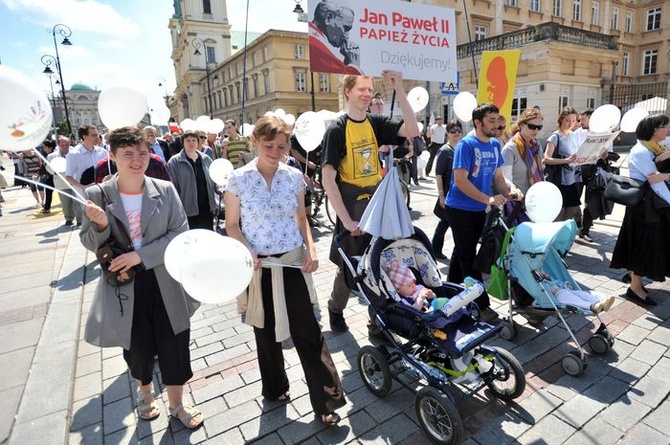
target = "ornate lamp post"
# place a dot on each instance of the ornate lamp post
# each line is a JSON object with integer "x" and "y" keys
{"x": 198, "y": 43}
{"x": 301, "y": 18}
{"x": 163, "y": 83}
{"x": 65, "y": 32}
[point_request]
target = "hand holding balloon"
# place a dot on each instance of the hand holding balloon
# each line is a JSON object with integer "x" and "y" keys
{"x": 96, "y": 214}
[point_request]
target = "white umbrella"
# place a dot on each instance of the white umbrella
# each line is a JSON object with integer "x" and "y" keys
{"x": 386, "y": 215}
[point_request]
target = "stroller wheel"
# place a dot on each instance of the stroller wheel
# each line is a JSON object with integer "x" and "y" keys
{"x": 508, "y": 331}
{"x": 438, "y": 416}
{"x": 599, "y": 344}
{"x": 507, "y": 379}
{"x": 573, "y": 364}
{"x": 374, "y": 370}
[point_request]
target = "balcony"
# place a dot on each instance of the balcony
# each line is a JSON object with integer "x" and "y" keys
{"x": 545, "y": 31}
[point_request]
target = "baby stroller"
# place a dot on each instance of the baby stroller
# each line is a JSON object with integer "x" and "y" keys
{"x": 534, "y": 252}
{"x": 427, "y": 353}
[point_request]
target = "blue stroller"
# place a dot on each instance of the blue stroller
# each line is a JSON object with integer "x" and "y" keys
{"x": 535, "y": 253}
{"x": 427, "y": 352}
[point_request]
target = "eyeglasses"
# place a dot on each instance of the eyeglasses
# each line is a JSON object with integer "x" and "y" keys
{"x": 455, "y": 132}
{"x": 535, "y": 127}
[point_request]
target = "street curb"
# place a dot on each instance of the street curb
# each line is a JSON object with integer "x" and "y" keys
{"x": 44, "y": 413}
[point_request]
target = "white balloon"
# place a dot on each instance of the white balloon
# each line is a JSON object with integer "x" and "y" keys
{"x": 25, "y": 113}
{"x": 269, "y": 113}
{"x": 543, "y": 202}
{"x": 217, "y": 273}
{"x": 247, "y": 129}
{"x": 178, "y": 249}
{"x": 632, "y": 118}
{"x": 279, "y": 112}
{"x": 418, "y": 98}
{"x": 464, "y": 104}
{"x": 202, "y": 123}
{"x": 327, "y": 115}
{"x": 215, "y": 126}
{"x": 162, "y": 114}
{"x": 187, "y": 125}
{"x": 121, "y": 106}
{"x": 604, "y": 119}
{"x": 309, "y": 130}
{"x": 289, "y": 119}
{"x": 58, "y": 165}
{"x": 420, "y": 124}
{"x": 219, "y": 170}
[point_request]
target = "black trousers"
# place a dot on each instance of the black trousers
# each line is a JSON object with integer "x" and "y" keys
{"x": 440, "y": 233}
{"x": 49, "y": 193}
{"x": 433, "y": 148}
{"x": 325, "y": 388}
{"x": 466, "y": 228}
{"x": 152, "y": 335}
{"x": 203, "y": 220}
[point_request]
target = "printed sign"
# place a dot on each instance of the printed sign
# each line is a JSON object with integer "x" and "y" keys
{"x": 368, "y": 36}
{"x": 497, "y": 80}
{"x": 593, "y": 147}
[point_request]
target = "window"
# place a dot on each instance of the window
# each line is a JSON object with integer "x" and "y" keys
{"x": 300, "y": 81}
{"x": 535, "y": 5}
{"x": 230, "y": 72}
{"x": 562, "y": 103}
{"x": 615, "y": 18}
{"x": 510, "y": 3}
{"x": 238, "y": 93}
{"x": 266, "y": 81}
{"x": 480, "y": 32}
{"x": 225, "y": 97}
{"x": 254, "y": 83}
{"x": 625, "y": 63}
{"x": 653, "y": 19}
{"x": 518, "y": 105}
{"x": 253, "y": 59}
{"x": 591, "y": 102}
{"x": 211, "y": 54}
{"x": 299, "y": 51}
{"x": 206, "y": 6}
{"x": 650, "y": 61}
{"x": 576, "y": 10}
{"x": 220, "y": 103}
{"x": 558, "y": 8}
{"x": 265, "y": 54}
{"x": 629, "y": 21}
{"x": 595, "y": 13}
{"x": 324, "y": 83}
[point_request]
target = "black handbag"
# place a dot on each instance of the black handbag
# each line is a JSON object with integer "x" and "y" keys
{"x": 624, "y": 190}
{"x": 111, "y": 249}
{"x": 554, "y": 173}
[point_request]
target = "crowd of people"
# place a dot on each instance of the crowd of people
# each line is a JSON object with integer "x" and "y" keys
{"x": 149, "y": 189}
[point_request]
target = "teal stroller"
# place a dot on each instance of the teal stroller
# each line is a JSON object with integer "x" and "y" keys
{"x": 532, "y": 259}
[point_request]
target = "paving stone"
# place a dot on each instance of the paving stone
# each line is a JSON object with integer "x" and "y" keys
{"x": 595, "y": 432}
{"x": 624, "y": 413}
{"x": 85, "y": 413}
{"x": 230, "y": 437}
{"x": 630, "y": 371}
{"x": 46, "y": 430}
{"x": 15, "y": 367}
{"x": 204, "y": 351}
{"x": 268, "y": 422}
{"x": 644, "y": 435}
{"x": 650, "y": 390}
{"x": 215, "y": 337}
{"x": 9, "y": 403}
{"x": 649, "y": 352}
{"x": 91, "y": 435}
{"x": 88, "y": 364}
{"x": 272, "y": 439}
{"x": 117, "y": 416}
{"x": 122, "y": 437}
{"x": 225, "y": 355}
{"x": 660, "y": 335}
{"x": 244, "y": 394}
{"x": 391, "y": 431}
{"x": 607, "y": 390}
{"x": 348, "y": 429}
{"x": 504, "y": 431}
{"x": 113, "y": 367}
{"x": 548, "y": 431}
{"x": 391, "y": 405}
{"x": 116, "y": 388}
{"x": 217, "y": 389}
{"x": 233, "y": 417}
{"x": 537, "y": 406}
{"x": 633, "y": 334}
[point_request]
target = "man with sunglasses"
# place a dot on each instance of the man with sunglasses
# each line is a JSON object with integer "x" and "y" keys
{"x": 476, "y": 169}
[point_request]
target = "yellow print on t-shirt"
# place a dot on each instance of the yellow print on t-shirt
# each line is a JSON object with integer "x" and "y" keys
{"x": 360, "y": 165}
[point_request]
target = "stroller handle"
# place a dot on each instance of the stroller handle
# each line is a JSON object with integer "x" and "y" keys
{"x": 338, "y": 238}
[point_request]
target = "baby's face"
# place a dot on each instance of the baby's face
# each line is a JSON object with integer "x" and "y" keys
{"x": 407, "y": 290}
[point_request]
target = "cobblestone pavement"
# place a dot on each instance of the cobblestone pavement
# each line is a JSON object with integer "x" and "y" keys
{"x": 56, "y": 389}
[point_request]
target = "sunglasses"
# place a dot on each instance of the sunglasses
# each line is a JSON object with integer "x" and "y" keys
{"x": 455, "y": 132}
{"x": 501, "y": 128}
{"x": 535, "y": 127}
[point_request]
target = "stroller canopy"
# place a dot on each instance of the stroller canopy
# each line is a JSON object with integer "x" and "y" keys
{"x": 536, "y": 238}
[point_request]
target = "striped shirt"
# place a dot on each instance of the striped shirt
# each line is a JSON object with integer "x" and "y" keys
{"x": 235, "y": 148}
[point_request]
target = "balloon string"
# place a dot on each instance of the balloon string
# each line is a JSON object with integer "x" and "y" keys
{"x": 60, "y": 175}
{"x": 275, "y": 264}
{"x": 306, "y": 160}
{"x": 39, "y": 184}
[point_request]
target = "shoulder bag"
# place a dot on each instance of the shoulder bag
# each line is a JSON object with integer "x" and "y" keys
{"x": 554, "y": 173}
{"x": 624, "y": 190}
{"x": 111, "y": 248}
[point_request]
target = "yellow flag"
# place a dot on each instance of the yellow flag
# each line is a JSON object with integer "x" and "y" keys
{"x": 497, "y": 80}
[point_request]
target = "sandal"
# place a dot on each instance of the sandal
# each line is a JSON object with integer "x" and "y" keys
{"x": 145, "y": 410}
{"x": 191, "y": 413}
{"x": 330, "y": 419}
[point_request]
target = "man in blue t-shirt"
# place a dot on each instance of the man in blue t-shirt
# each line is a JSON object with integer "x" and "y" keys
{"x": 476, "y": 168}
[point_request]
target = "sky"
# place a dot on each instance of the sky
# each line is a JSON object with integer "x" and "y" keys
{"x": 114, "y": 42}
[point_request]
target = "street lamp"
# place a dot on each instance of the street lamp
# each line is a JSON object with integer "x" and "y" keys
{"x": 65, "y": 32}
{"x": 298, "y": 10}
{"x": 47, "y": 61}
{"x": 162, "y": 83}
{"x": 198, "y": 43}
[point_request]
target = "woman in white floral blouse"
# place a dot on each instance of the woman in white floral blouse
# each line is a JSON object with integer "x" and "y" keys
{"x": 265, "y": 210}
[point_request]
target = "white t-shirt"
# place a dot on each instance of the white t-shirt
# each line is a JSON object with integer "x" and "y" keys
{"x": 438, "y": 133}
{"x": 133, "y": 207}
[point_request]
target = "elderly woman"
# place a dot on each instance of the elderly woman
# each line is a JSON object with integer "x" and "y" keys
{"x": 265, "y": 210}
{"x": 522, "y": 153}
{"x": 642, "y": 244}
{"x": 561, "y": 150}
{"x": 148, "y": 316}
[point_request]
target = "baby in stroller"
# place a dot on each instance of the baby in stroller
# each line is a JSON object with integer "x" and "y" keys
{"x": 568, "y": 296}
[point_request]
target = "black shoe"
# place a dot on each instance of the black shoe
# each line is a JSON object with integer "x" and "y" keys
{"x": 69, "y": 223}
{"x": 337, "y": 323}
{"x": 440, "y": 256}
{"x": 632, "y": 296}
{"x": 585, "y": 237}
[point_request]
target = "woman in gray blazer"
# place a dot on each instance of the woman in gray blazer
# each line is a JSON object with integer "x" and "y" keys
{"x": 149, "y": 315}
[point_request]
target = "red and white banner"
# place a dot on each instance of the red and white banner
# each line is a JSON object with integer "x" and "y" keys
{"x": 369, "y": 36}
